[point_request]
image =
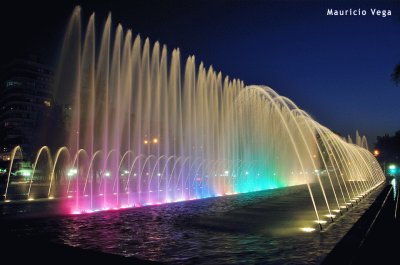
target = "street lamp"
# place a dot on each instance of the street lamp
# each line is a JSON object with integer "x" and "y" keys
{"x": 392, "y": 169}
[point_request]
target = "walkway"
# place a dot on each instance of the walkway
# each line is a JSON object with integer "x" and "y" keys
{"x": 374, "y": 239}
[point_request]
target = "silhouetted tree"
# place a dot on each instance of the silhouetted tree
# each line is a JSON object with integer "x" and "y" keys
{"x": 396, "y": 74}
{"x": 389, "y": 148}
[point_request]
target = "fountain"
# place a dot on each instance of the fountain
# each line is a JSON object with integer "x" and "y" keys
{"x": 145, "y": 131}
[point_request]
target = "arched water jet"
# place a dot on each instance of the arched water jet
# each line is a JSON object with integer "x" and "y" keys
{"x": 59, "y": 152}
{"x": 12, "y": 157}
{"x": 50, "y": 164}
{"x": 89, "y": 170}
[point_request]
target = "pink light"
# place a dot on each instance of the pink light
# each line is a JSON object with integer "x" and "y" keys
{"x": 76, "y": 212}
{"x": 69, "y": 196}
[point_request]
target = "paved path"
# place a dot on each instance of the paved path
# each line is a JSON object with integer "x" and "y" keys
{"x": 374, "y": 239}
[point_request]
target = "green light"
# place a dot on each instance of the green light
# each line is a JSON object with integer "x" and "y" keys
{"x": 25, "y": 172}
{"x": 392, "y": 169}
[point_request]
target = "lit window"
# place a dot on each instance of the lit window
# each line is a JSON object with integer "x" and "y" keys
{"x": 11, "y": 83}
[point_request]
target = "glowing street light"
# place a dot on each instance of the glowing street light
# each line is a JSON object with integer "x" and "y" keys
{"x": 146, "y": 142}
{"x": 392, "y": 169}
{"x": 376, "y": 152}
{"x": 155, "y": 141}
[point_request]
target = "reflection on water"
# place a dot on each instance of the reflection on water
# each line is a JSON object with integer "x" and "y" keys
{"x": 260, "y": 227}
{"x": 394, "y": 184}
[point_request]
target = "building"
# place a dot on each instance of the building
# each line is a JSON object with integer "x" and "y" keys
{"x": 26, "y": 106}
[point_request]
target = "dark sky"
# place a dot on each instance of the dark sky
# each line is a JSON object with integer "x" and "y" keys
{"x": 336, "y": 68}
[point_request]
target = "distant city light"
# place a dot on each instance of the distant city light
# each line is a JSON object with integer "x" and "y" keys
{"x": 376, "y": 152}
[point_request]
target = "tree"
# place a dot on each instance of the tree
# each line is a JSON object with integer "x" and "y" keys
{"x": 396, "y": 74}
{"x": 389, "y": 148}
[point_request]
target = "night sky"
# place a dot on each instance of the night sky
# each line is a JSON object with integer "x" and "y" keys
{"x": 336, "y": 68}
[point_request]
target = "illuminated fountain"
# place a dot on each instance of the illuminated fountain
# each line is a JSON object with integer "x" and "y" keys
{"x": 145, "y": 130}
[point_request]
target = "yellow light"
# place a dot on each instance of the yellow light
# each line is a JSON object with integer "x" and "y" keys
{"x": 307, "y": 229}
{"x": 30, "y": 199}
{"x": 376, "y": 152}
{"x": 155, "y": 140}
{"x": 7, "y": 200}
{"x": 51, "y": 197}
{"x": 146, "y": 142}
{"x": 320, "y": 221}
{"x": 330, "y": 215}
